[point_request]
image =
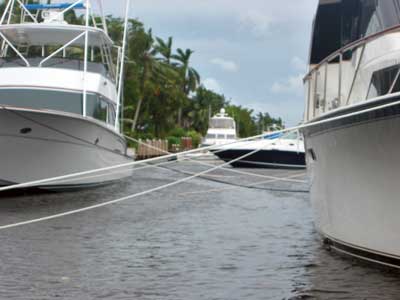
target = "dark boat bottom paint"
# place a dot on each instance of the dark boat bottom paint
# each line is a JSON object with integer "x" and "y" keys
{"x": 59, "y": 188}
{"x": 362, "y": 254}
{"x": 264, "y": 159}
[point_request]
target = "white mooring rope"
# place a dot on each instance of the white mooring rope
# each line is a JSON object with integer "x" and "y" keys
{"x": 47, "y": 180}
{"x": 171, "y": 156}
{"x": 240, "y": 186}
{"x": 210, "y": 165}
{"x": 56, "y": 216}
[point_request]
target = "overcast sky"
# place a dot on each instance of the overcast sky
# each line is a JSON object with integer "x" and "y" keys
{"x": 252, "y": 51}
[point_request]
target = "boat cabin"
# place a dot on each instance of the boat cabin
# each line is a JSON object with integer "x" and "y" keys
{"x": 48, "y": 64}
{"x": 354, "y": 55}
{"x": 221, "y": 130}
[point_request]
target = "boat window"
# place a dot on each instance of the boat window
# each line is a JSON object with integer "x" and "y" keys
{"x": 42, "y": 99}
{"x": 57, "y": 63}
{"x": 231, "y": 136}
{"x": 221, "y": 136}
{"x": 291, "y": 136}
{"x": 210, "y": 136}
{"x": 111, "y": 114}
{"x": 97, "y": 108}
{"x": 222, "y": 123}
{"x": 382, "y": 81}
{"x": 341, "y": 22}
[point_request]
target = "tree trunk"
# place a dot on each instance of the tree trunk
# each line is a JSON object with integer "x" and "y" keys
{"x": 135, "y": 119}
{"x": 142, "y": 85}
{"x": 180, "y": 117}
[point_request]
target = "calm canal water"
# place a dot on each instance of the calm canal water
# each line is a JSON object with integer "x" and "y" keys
{"x": 198, "y": 240}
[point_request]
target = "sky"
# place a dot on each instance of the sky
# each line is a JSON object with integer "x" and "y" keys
{"x": 252, "y": 51}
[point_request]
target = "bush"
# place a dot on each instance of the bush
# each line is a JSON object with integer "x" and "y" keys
{"x": 173, "y": 140}
{"x": 196, "y": 138}
{"x": 177, "y": 132}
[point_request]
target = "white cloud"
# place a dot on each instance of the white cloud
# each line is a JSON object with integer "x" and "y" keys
{"x": 291, "y": 85}
{"x": 259, "y": 24}
{"x": 226, "y": 65}
{"x": 299, "y": 64}
{"x": 212, "y": 84}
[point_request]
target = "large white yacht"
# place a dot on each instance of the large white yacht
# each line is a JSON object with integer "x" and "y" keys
{"x": 221, "y": 130}
{"x": 353, "y": 92}
{"x": 60, "y": 95}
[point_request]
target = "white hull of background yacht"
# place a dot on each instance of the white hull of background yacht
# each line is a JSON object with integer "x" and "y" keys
{"x": 354, "y": 166}
{"x": 41, "y": 144}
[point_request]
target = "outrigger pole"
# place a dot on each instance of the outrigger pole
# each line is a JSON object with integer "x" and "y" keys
{"x": 121, "y": 69}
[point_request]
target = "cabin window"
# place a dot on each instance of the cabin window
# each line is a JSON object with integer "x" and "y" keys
{"x": 382, "y": 81}
{"x": 96, "y": 107}
{"x": 222, "y": 123}
{"x": 111, "y": 114}
{"x": 42, "y": 99}
{"x": 221, "y": 136}
{"x": 341, "y": 22}
{"x": 210, "y": 136}
{"x": 230, "y": 136}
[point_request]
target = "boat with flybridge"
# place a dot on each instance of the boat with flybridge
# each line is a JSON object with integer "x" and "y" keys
{"x": 352, "y": 120}
{"x": 60, "y": 95}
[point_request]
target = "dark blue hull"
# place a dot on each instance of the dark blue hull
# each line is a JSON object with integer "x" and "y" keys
{"x": 264, "y": 158}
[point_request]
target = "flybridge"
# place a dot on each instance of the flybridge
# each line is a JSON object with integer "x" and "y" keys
{"x": 54, "y": 6}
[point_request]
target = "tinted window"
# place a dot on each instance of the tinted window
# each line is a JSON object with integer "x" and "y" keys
{"x": 221, "y": 136}
{"x": 111, "y": 114}
{"x": 222, "y": 123}
{"x": 230, "y": 137}
{"x": 210, "y": 136}
{"x": 97, "y": 108}
{"x": 42, "y": 99}
{"x": 341, "y": 22}
{"x": 382, "y": 81}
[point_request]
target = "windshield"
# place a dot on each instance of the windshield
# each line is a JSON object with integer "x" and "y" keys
{"x": 222, "y": 123}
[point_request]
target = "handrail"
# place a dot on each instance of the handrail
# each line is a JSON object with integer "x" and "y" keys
{"x": 350, "y": 46}
{"x": 61, "y": 49}
{"x": 15, "y": 49}
{"x": 5, "y": 12}
{"x": 27, "y": 11}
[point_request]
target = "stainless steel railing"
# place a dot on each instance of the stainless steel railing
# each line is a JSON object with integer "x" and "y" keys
{"x": 325, "y": 84}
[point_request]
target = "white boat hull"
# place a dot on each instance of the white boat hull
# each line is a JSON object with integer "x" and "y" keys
{"x": 36, "y": 145}
{"x": 354, "y": 167}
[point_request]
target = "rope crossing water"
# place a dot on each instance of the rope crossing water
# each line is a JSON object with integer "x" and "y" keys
{"x": 69, "y": 176}
{"x": 48, "y": 180}
{"x": 76, "y": 211}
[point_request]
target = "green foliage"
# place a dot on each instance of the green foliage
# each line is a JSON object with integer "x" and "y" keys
{"x": 178, "y": 132}
{"x": 196, "y": 137}
{"x": 173, "y": 140}
{"x": 163, "y": 97}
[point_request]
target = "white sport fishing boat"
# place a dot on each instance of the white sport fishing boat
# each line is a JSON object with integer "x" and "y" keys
{"x": 60, "y": 95}
{"x": 353, "y": 92}
{"x": 221, "y": 130}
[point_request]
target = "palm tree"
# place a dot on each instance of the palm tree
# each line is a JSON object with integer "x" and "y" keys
{"x": 148, "y": 64}
{"x": 155, "y": 74}
{"x": 189, "y": 76}
{"x": 165, "y": 49}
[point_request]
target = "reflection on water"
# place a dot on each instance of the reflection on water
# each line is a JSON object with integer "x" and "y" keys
{"x": 198, "y": 240}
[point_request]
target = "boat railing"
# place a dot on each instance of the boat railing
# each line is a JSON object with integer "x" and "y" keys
{"x": 23, "y": 12}
{"x": 57, "y": 63}
{"x": 337, "y": 81}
